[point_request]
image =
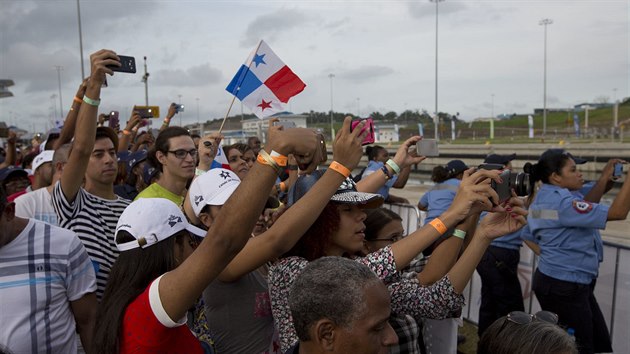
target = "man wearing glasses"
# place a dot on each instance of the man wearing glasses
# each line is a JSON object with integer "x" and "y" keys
{"x": 175, "y": 156}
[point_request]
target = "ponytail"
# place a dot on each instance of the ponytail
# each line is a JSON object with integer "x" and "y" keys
{"x": 440, "y": 174}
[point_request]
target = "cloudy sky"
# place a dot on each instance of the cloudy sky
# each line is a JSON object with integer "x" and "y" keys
{"x": 382, "y": 53}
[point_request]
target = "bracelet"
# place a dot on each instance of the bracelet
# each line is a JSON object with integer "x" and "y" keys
{"x": 264, "y": 159}
{"x": 438, "y": 225}
{"x": 293, "y": 167}
{"x": 280, "y": 159}
{"x": 459, "y": 233}
{"x": 391, "y": 163}
{"x": 341, "y": 169}
{"x": 126, "y": 132}
{"x": 77, "y": 100}
{"x": 388, "y": 175}
{"x": 91, "y": 102}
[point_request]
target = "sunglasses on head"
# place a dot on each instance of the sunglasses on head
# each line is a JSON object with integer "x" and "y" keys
{"x": 523, "y": 318}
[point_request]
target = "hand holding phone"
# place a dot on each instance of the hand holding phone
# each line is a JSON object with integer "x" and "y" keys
{"x": 427, "y": 147}
{"x": 368, "y": 126}
{"x": 113, "y": 119}
{"x": 618, "y": 170}
{"x": 127, "y": 65}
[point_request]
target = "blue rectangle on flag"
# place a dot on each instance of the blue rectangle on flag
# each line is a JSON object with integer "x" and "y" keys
{"x": 243, "y": 83}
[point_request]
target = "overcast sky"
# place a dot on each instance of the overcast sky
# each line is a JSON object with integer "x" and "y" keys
{"x": 382, "y": 53}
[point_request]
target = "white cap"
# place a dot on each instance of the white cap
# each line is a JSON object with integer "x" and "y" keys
{"x": 151, "y": 220}
{"x": 212, "y": 188}
{"x": 42, "y": 158}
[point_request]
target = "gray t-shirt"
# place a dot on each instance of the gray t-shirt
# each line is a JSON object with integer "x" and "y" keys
{"x": 239, "y": 316}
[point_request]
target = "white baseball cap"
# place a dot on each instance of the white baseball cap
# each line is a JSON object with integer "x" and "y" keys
{"x": 151, "y": 220}
{"x": 212, "y": 188}
{"x": 42, "y": 158}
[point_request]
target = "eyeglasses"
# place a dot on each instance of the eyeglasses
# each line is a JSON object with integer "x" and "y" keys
{"x": 181, "y": 153}
{"x": 523, "y": 318}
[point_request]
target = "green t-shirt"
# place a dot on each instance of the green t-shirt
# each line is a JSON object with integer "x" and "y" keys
{"x": 157, "y": 191}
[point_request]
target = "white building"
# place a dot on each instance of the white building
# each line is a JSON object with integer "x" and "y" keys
{"x": 258, "y": 127}
{"x": 385, "y": 133}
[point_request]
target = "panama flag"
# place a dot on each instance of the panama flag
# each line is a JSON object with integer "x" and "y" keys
{"x": 264, "y": 83}
{"x": 220, "y": 160}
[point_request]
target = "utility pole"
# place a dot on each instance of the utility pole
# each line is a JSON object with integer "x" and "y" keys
{"x": 437, "y": 116}
{"x": 145, "y": 79}
{"x": 59, "y": 68}
{"x": 332, "y": 130}
{"x": 545, "y": 22}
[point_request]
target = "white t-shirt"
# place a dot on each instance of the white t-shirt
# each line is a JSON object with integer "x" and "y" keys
{"x": 41, "y": 271}
{"x": 36, "y": 205}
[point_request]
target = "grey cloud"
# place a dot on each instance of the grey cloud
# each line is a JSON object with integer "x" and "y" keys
{"x": 199, "y": 75}
{"x": 270, "y": 26}
{"x": 425, "y": 9}
{"x": 366, "y": 73}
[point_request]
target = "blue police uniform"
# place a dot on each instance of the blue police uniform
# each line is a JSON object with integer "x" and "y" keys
{"x": 374, "y": 166}
{"x": 501, "y": 291}
{"x": 565, "y": 226}
{"x": 437, "y": 200}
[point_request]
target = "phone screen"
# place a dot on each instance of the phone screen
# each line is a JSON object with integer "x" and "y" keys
{"x": 618, "y": 171}
{"x": 427, "y": 147}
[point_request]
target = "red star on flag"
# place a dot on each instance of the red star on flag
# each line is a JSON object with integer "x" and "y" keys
{"x": 264, "y": 105}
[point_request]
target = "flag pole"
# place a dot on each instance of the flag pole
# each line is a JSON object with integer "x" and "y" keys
{"x": 238, "y": 88}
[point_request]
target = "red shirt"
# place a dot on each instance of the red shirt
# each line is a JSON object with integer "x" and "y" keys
{"x": 147, "y": 328}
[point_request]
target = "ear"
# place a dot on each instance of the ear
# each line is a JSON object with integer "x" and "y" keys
{"x": 59, "y": 167}
{"x": 205, "y": 219}
{"x": 323, "y": 333}
{"x": 161, "y": 157}
{"x": 554, "y": 178}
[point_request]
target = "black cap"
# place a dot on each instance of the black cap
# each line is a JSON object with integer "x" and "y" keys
{"x": 499, "y": 159}
{"x": 455, "y": 167}
{"x": 552, "y": 152}
{"x": 11, "y": 171}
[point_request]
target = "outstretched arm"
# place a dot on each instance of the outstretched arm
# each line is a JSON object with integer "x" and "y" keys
{"x": 180, "y": 288}
{"x": 285, "y": 232}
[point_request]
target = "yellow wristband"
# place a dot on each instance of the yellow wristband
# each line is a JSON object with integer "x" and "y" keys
{"x": 337, "y": 167}
{"x": 438, "y": 225}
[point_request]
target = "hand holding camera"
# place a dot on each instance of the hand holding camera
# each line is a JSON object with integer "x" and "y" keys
{"x": 520, "y": 182}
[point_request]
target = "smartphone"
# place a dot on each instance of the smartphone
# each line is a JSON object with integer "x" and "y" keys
{"x": 127, "y": 65}
{"x": 286, "y": 124}
{"x": 618, "y": 171}
{"x": 369, "y": 126}
{"x": 427, "y": 147}
{"x": 179, "y": 108}
{"x": 113, "y": 119}
{"x": 143, "y": 123}
{"x": 144, "y": 112}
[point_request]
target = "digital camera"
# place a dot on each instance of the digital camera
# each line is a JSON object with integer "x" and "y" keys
{"x": 519, "y": 182}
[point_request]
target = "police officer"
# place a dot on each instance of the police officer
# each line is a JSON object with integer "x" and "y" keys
{"x": 565, "y": 226}
{"x": 501, "y": 291}
{"x": 439, "y": 198}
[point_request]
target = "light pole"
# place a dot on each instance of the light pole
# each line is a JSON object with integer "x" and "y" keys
{"x": 437, "y": 117}
{"x": 359, "y": 107}
{"x": 59, "y": 68}
{"x": 180, "y": 113}
{"x": 615, "y": 95}
{"x": 80, "y": 40}
{"x": 145, "y": 79}
{"x": 492, "y": 114}
{"x": 332, "y": 130}
{"x": 198, "y": 121}
{"x": 545, "y": 22}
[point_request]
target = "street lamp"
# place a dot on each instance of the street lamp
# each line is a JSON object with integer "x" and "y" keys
{"x": 80, "y": 39}
{"x": 59, "y": 69}
{"x": 198, "y": 121}
{"x": 359, "y": 107}
{"x": 180, "y": 113}
{"x": 492, "y": 116}
{"x": 437, "y": 117}
{"x": 545, "y": 22}
{"x": 332, "y": 130}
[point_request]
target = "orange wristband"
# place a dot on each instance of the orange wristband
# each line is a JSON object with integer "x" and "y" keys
{"x": 343, "y": 170}
{"x": 264, "y": 159}
{"x": 438, "y": 225}
{"x": 77, "y": 100}
{"x": 126, "y": 132}
{"x": 283, "y": 186}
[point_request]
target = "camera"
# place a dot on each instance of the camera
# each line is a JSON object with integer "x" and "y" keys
{"x": 179, "y": 108}
{"x": 519, "y": 182}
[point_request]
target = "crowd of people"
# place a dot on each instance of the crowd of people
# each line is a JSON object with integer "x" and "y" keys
{"x": 121, "y": 241}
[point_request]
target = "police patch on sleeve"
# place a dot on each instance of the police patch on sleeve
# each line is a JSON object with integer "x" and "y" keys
{"x": 582, "y": 206}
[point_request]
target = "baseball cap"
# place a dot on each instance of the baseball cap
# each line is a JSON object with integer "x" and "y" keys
{"x": 346, "y": 193}
{"x": 454, "y": 167}
{"x": 212, "y": 188}
{"x": 52, "y": 133}
{"x": 42, "y": 158}
{"x": 151, "y": 220}
{"x": 135, "y": 158}
{"x": 148, "y": 173}
{"x": 552, "y": 152}
{"x": 12, "y": 171}
{"x": 499, "y": 159}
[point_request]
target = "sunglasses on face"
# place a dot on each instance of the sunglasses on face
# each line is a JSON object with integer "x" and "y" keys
{"x": 181, "y": 153}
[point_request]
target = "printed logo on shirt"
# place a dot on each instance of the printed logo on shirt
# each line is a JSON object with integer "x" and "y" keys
{"x": 582, "y": 206}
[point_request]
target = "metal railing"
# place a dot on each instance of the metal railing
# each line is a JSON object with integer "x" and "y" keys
{"x": 612, "y": 290}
